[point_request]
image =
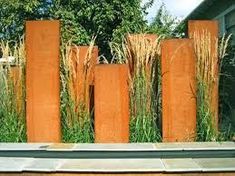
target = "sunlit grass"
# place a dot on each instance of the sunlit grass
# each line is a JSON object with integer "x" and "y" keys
{"x": 208, "y": 68}
{"x": 77, "y": 121}
{"x": 142, "y": 55}
{"x": 12, "y": 93}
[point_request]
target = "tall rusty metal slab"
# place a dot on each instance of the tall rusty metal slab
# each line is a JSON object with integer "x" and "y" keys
{"x": 42, "y": 81}
{"x": 178, "y": 90}
{"x": 111, "y": 103}
{"x": 211, "y": 27}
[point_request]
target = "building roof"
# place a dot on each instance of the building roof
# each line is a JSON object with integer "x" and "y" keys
{"x": 200, "y": 9}
{"x": 209, "y": 9}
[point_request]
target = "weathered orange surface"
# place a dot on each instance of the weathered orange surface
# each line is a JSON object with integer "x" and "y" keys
{"x": 178, "y": 90}
{"x": 211, "y": 26}
{"x": 82, "y": 84}
{"x": 111, "y": 103}
{"x": 42, "y": 81}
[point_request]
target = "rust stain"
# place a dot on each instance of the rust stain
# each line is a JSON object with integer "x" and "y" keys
{"x": 42, "y": 81}
{"x": 111, "y": 103}
{"x": 178, "y": 90}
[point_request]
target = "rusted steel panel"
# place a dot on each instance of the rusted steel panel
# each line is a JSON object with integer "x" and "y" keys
{"x": 111, "y": 103}
{"x": 178, "y": 90}
{"x": 42, "y": 81}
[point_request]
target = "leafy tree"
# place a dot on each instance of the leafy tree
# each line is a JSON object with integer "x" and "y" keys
{"x": 108, "y": 20}
{"x": 164, "y": 23}
{"x": 13, "y": 14}
{"x": 80, "y": 19}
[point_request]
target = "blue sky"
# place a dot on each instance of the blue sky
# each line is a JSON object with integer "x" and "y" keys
{"x": 178, "y": 8}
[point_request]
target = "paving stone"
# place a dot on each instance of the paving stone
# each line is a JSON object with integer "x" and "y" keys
{"x": 181, "y": 165}
{"x": 13, "y": 164}
{"x": 61, "y": 147}
{"x": 24, "y": 146}
{"x": 195, "y": 145}
{"x": 119, "y": 147}
{"x": 228, "y": 145}
{"x": 43, "y": 165}
{"x": 216, "y": 164}
{"x": 112, "y": 165}
{"x": 210, "y": 145}
{"x": 169, "y": 146}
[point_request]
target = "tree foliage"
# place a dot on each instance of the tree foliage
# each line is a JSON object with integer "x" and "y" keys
{"x": 164, "y": 23}
{"x": 13, "y": 14}
{"x": 80, "y": 19}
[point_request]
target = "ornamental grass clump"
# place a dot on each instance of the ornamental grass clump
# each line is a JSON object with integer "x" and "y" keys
{"x": 209, "y": 55}
{"x": 141, "y": 54}
{"x": 12, "y": 92}
{"x": 142, "y": 58}
{"x": 77, "y": 122}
